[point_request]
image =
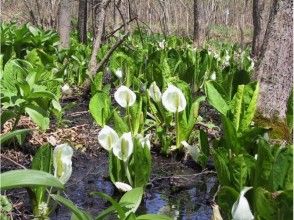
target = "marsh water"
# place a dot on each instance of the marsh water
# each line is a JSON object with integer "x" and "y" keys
{"x": 175, "y": 189}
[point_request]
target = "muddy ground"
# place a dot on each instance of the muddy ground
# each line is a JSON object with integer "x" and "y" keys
{"x": 177, "y": 188}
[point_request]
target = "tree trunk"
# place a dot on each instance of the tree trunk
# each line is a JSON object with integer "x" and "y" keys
{"x": 260, "y": 14}
{"x": 82, "y": 21}
{"x": 275, "y": 64}
{"x": 196, "y": 33}
{"x": 64, "y": 23}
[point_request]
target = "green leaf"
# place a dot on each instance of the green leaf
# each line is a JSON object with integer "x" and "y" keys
{"x": 282, "y": 172}
{"x": 120, "y": 125}
{"x": 220, "y": 161}
{"x": 250, "y": 100}
{"x": 141, "y": 164}
{"x": 230, "y": 134}
{"x": 42, "y": 161}
{"x": 136, "y": 116}
{"x": 264, "y": 165}
{"x": 264, "y": 204}
{"x": 5, "y": 205}
{"x": 226, "y": 197}
{"x": 216, "y": 98}
{"x": 79, "y": 214}
{"x": 237, "y": 106}
{"x": 56, "y": 105}
{"x": 132, "y": 199}
{"x": 12, "y": 134}
{"x": 115, "y": 204}
{"x": 99, "y": 106}
{"x": 239, "y": 172}
{"x": 39, "y": 116}
{"x": 26, "y": 178}
{"x": 6, "y": 115}
{"x": 204, "y": 142}
{"x": 153, "y": 217}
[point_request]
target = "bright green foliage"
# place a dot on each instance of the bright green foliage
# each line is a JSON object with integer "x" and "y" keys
{"x": 28, "y": 178}
{"x": 243, "y": 158}
{"x": 100, "y": 108}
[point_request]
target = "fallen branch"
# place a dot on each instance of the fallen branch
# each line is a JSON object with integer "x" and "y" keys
{"x": 109, "y": 53}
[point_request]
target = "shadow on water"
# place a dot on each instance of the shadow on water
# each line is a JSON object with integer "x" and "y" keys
{"x": 175, "y": 190}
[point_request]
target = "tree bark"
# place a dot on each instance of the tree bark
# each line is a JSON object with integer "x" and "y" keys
{"x": 64, "y": 23}
{"x": 82, "y": 21}
{"x": 196, "y": 33}
{"x": 260, "y": 15}
{"x": 274, "y": 67}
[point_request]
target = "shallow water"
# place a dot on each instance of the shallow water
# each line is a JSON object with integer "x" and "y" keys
{"x": 175, "y": 190}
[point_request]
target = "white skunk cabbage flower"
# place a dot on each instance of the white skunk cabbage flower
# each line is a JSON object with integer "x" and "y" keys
{"x": 241, "y": 209}
{"x": 125, "y": 147}
{"x": 108, "y": 138}
{"x": 144, "y": 141}
{"x": 66, "y": 90}
{"x": 162, "y": 44}
{"x": 173, "y": 99}
{"x": 124, "y": 96}
{"x": 216, "y": 213}
{"x": 119, "y": 73}
{"x": 123, "y": 186}
{"x": 154, "y": 92}
{"x": 62, "y": 163}
{"x": 213, "y": 76}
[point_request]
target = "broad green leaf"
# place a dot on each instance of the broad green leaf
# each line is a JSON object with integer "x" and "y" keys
{"x": 132, "y": 199}
{"x": 264, "y": 165}
{"x": 12, "y": 134}
{"x": 38, "y": 116}
{"x": 79, "y": 214}
{"x": 237, "y": 106}
{"x": 239, "y": 172}
{"x": 251, "y": 93}
{"x": 215, "y": 98}
{"x": 230, "y": 134}
{"x": 282, "y": 172}
{"x": 99, "y": 106}
{"x": 141, "y": 164}
{"x": 120, "y": 125}
{"x": 221, "y": 166}
{"x": 28, "y": 178}
{"x": 264, "y": 206}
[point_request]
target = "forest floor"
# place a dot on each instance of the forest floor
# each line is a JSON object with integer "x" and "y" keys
{"x": 178, "y": 188}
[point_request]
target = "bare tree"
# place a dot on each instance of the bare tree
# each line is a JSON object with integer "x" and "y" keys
{"x": 82, "y": 21}
{"x": 274, "y": 67}
{"x": 64, "y": 20}
{"x": 196, "y": 33}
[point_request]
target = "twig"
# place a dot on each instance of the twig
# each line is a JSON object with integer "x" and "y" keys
{"x": 117, "y": 29}
{"x": 215, "y": 194}
{"x": 184, "y": 176}
{"x": 7, "y": 158}
{"x": 109, "y": 53}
